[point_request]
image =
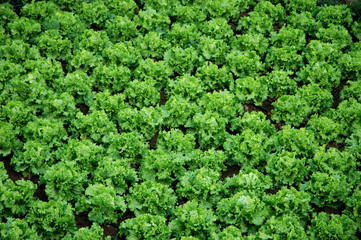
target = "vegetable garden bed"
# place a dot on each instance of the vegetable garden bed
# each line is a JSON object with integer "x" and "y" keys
{"x": 185, "y": 119}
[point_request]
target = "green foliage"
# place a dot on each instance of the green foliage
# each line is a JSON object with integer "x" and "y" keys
{"x": 317, "y": 51}
{"x": 211, "y": 159}
{"x": 24, "y": 28}
{"x": 334, "y": 161}
{"x": 186, "y": 119}
{"x": 7, "y": 138}
{"x": 177, "y": 111}
{"x": 122, "y": 53}
{"x": 304, "y": 21}
{"x": 251, "y": 42}
{"x": 223, "y": 102}
{"x": 53, "y": 45}
{"x": 217, "y": 28}
{"x": 192, "y": 219}
{"x": 327, "y": 189}
{"x": 255, "y": 121}
{"x": 285, "y": 227}
{"x": 183, "y": 35}
{"x": 284, "y": 58}
{"x": 7, "y": 13}
{"x": 347, "y": 114}
{"x": 209, "y": 129}
{"x": 186, "y": 86}
{"x": 35, "y": 157}
{"x": 95, "y": 12}
{"x": 337, "y": 14}
{"x": 332, "y": 226}
{"x": 244, "y": 63}
{"x": 145, "y": 226}
{"x": 113, "y": 78}
{"x": 121, "y": 28}
{"x": 246, "y": 149}
{"x": 244, "y": 210}
{"x": 84, "y": 152}
{"x": 163, "y": 166}
{"x": 39, "y": 10}
{"x": 286, "y": 169}
{"x": 16, "y": 197}
{"x": 145, "y": 121}
{"x": 302, "y": 6}
{"x": 115, "y": 173}
{"x": 201, "y": 184}
{"x": 122, "y": 7}
{"x": 293, "y": 109}
{"x": 175, "y": 141}
{"x": 182, "y": 60}
{"x": 64, "y": 181}
{"x": 225, "y": 9}
{"x": 15, "y": 228}
{"x": 300, "y": 141}
{"x": 142, "y": 94}
{"x": 102, "y": 203}
{"x": 94, "y": 232}
{"x": 354, "y": 207}
{"x": 335, "y": 34}
{"x": 351, "y": 91}
{"x": 213, "y": 50}
{"x": 158, "y": 71}
{"x": 279, "y": 83}
{"x": 95, "y": 126}
{"x": 152, "y": 20}
{"x": 151, "y": 197}
{"x": 353, "y": 144}
{"x": 325, "y": 129}
{"x": 53, "y": 219}
{"x": 189, "y": 13}
{"x": 250, "y": 89}
{"x": 292, "y": 37}
{"x": 248, "y": 180}
{"x": 67, "y": 23}
{"x": 322, "y": 74}
{"x": 288, "y": 202}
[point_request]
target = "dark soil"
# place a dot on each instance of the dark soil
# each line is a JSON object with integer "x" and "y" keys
{"x": 228, "y": 129}
{"x": 268, "y": 104}
{"x": 95, "y": 27}
{"x": 163, "y": 97}
{"x": 230, "y": 171}
{"x": 266, "y": 108}
{"x": 181, "y": 201}
{"x": 277, "y": 27}
{"x": 272, "y": 191}
{"x": 13, "y": 175}
{"x": 336, "y": 93}
{"x": 63, "y": 65}
{"x": 153, "y": 141}
{"x": 110, "y": 230}
{"x": 325, "y": 209}
{"x": 243, "y": 14}
{"x": 183, "y": 129}
{"x": 127, "y": 215}
{"x": 82, "y": 220}
{"x": 113, "y": 229}
{"x": 83, "y": 108}
{"x": 251, "y": 108}
{"x": 41, "y": 194}
{"x": 339, "y": 146}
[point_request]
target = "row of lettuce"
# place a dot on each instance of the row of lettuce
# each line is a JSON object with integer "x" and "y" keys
{"x": 113, "y": 58}
{"x": 304, "y": 175}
